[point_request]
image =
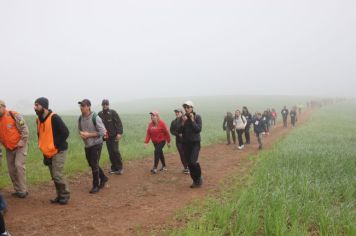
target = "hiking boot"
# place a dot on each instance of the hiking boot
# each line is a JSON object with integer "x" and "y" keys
{"x": 20, "y": 194}
{"x": 95, "y": 189}
{"x": 163, "y": 168}
{"x": 197, "y": 184}
{"x": 186, "y": 171}
{"x": 154, "y": 171}
{"x": 63, "y": 200}
{"x": 54, "y": 201}
{"x": 103, "y": 182}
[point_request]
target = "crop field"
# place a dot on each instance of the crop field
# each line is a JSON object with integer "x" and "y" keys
{"x": 305, "y": 185}
{"x": 135, "y": 118}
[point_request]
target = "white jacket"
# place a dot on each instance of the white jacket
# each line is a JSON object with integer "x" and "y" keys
{"x": 240, "y": 122}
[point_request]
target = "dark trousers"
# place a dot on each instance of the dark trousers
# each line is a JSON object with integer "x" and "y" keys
{"x": 180, "y": 149}
{"x": 285, "y": 122}
{"x": 2, "y": 224}
{"x": 191, "y": 152}
{"x": 93, "y": 156}
{"x": 259, "y": 139}
{"x": 114, "y": 153}
{"x": 240, "y": 132}
{"x": 292, "y": 120}
{"x": 159, "y": 156}
{"x": 247, "y": 134}
{"x": 232, "y": 132}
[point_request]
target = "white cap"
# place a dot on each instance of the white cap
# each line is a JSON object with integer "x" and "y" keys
{"x": 188, "y": 103}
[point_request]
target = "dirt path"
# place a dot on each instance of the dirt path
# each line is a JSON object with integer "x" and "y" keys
{"x": 132, "y": 204}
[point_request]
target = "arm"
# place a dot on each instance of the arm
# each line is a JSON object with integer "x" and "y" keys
{"x": 60, "y": 128}
{"x": 197, "y": 124}
{"x": 22, "y": 128}
{"x": 173, "y": 128}
{"x": 224, "y": 123}
{"x": 118, "y": 123}
{"x": 148, "y": 135}
{"x": 166, "y": 133}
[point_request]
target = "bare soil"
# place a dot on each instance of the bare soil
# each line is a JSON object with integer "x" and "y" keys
{"x": 135, "y": 203}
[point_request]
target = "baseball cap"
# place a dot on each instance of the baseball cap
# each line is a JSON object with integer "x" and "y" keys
{"x": 155, "y": 113}
{"x": 105, "y": 102}
{"x": 178, "y": 110}
{"x": 85, "y": 102}
{"x": 188, "y": 103}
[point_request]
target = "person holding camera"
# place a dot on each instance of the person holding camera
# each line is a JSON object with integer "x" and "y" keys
{"x": 190, "y": 128}
{"x": 52, "y": 135}
{"x": 92, "y": 131}
{"x": 114, "y": 128}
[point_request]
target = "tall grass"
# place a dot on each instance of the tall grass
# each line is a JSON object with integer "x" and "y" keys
{"x": 305, "y": 185}
{"x": 135, "y": 119}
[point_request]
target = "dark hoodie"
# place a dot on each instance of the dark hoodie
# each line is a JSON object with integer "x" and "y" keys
{"x": 191, "y": 130}
{"x": 60, "y": 131}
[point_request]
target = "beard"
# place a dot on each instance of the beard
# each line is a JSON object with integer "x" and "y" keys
{"x": 39, "y": 112}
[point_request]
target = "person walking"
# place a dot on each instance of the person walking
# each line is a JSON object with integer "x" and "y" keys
{"x": 248, "y": 117}
{"x": 293, "y": 116}
{"x": 190, "y": 128}
{"x": 285, "y": 113}
{"x": 240, "y": 124}
{"x": 260, "y": 127}
{"x": 174, "y": 131}
{"x": 114, "y": 129}
{"x": 274, "y": 116}
{"x": 14, "y": 135}
{"x": 3, "y": 231}
{"x": 52, "y": 135}
{"x": 228, "y": 126}
{"x": 92, "y": 131}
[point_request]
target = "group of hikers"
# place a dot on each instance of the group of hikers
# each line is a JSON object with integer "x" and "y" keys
{"x": 241, "y": 122}
{"x": 106, "y": 126}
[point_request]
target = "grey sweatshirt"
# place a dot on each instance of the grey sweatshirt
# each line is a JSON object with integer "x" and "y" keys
{"x": 86, "y": 124}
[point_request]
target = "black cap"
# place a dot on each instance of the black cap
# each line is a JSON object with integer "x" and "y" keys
{"x": 43, "y": 102}
{"x": 105, "y": 102}
{"x": 85, "y": 102}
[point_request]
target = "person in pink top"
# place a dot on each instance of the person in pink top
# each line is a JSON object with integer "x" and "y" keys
{"x": 157, "y": 131}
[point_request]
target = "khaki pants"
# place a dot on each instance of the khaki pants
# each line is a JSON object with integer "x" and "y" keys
{"x": 16, "y": 167}
{"x": 56, "y": 169}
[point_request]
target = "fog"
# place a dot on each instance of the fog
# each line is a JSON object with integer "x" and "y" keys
{"x": 124, "y": 50}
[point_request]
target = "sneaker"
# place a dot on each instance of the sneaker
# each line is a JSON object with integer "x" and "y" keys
{"x": 54, "y": 201}
{"x": 63, "y": 200}
{"x": 163, "y": 168}
{"x": 186, "y": 171}
{"x": 116, "y": 172}
{"x": 6, "y": 233}
{"x": 20, "y": 194}
{"x": 241, "y": 147}
{"x": 154, "y": 171}
{"x": 197, "y": 184}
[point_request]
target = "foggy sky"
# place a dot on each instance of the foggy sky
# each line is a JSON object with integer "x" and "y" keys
{"x": 122, "y": 50}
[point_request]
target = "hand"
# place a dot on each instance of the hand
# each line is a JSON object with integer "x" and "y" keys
{"x": 118, "y": 137}
{"x": 184, "y": 118}
{"x": 145, "y": 145}
{"x": 84, "y": 134}
{"x": 168, "y": 145}
{"x": 191, "y": 115}
{"x": 20, "y": 144}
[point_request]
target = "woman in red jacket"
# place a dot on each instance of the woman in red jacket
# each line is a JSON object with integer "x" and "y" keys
{"x": 158, "y": 132}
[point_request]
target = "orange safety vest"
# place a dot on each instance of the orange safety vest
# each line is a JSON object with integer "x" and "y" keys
{"x": 45, "y": 137}
{"x": 9, "y": 134}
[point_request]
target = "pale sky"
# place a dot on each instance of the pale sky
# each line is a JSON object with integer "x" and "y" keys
{"x": 123, "y": 50}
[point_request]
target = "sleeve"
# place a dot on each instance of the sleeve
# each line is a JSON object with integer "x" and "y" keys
{"x": 118, "y": 123}
{"x": 148, "y": 134}
{"x": 22, "y": 127}
{"x": 173, "y": 128}
{"x": 224, "y": 123}
{"x": 166, "y": 132}
{"x": 100, "y": 126}
{"x": 60, "y": 128}
{"x": 197, "y": 124}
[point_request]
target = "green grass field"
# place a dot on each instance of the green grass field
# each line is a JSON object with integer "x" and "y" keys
{"x": 305, "y": 185}
{"x": 135, "y": 119}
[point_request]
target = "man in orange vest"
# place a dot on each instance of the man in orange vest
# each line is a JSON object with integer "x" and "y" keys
{"x": 14, "y": 137}
{"x": 52, "y": 135}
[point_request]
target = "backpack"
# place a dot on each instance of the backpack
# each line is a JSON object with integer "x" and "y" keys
{"x": 93, "y": 119}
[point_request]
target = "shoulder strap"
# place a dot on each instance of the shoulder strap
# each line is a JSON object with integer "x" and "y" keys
{"x": 12, "y": 115}
{"x": 93, "y": 118}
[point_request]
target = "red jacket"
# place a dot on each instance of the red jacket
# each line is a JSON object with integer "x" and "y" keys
{"x": 157, "y": 134}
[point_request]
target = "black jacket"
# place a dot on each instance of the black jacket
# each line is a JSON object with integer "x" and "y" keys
{"x": 59, "y": 130}
{"x": 248, "y": 117}
{"x": 259, "y": 125}
{"x": 284, "y": 112}
{"x": 228, "y": 122}
{"x": 112, "y": 122}
{"x": 191, "y": 130}
{"x": 174, "y": 129}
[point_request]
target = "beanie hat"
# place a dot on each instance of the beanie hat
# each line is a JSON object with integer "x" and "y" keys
{"x": 43, "y": 102}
